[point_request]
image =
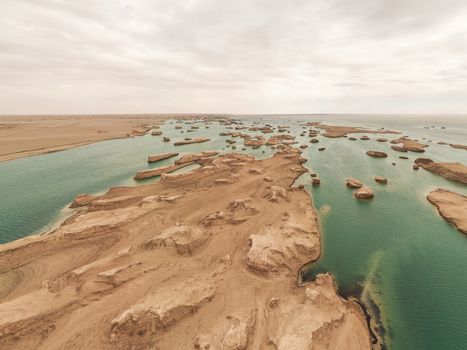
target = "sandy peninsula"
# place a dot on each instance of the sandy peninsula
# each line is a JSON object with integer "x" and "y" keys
{"x": 451, "y": 206}
{"x": 22, "y": 136}
{"x": 207, "y": 259}
{"x": 451, "y": 171}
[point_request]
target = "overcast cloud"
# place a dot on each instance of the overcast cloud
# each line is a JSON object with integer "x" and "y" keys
{"x": 237, "y": 56}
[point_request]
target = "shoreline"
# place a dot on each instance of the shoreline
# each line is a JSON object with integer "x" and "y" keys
{"x": 24, "y": 136}
{"x": 114, "y": 245}
{"x": 52, "y": 149}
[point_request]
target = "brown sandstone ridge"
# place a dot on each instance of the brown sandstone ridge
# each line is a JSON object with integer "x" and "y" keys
{"x": 188, "y": 262}
{"x": 158, "y": 157}
{"x": 335, "y": 131}
{"x": 22, "y": 136}
{"x": 451, "y": 206}
{"x": 409, "y": 145}
{"x": 451, "y": 171}
{"x": 189, "y": 141}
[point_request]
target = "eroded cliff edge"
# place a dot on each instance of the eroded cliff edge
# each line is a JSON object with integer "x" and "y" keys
{"x": 207, "y": 259}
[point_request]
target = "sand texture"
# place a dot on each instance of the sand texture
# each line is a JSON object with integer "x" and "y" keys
{"x": 22, "y": 136}
{"x": 451, "y": 206}
{"x": 203, "y": 260}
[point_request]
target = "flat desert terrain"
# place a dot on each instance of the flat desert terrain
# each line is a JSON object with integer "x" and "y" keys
{"x": 22, "y": 136}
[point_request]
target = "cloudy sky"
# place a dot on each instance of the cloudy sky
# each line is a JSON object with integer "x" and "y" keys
{"x": 233, "y": 56}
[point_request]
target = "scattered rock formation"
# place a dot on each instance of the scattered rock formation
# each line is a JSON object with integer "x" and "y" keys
{"x": 458, "y": 146}
{"x": 398, "y": 148}
{"x": 451, "y": 206}
{"x": 410, "y": 145}
{"x": 353, "y": 183}
{"x": 158, "y": 157}
{"x": 364, "y": 193}
{"x": 334, "y": 131}
{"x": 381, "y": 180}
{"x": 451, "y": 171}
{"x": 146, "y": 174}
{"x": 376, "y": 154}
{"x": 195, "y": 157}
{"x": 189, "y": 141}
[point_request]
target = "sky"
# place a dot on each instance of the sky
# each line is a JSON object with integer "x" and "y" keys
{"x": 236, "y": 56}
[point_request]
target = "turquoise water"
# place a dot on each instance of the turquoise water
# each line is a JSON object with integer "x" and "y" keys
{"x": 394, "y": 251}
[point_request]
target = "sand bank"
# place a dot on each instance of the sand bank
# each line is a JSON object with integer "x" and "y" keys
{"x": 22, "y": 136}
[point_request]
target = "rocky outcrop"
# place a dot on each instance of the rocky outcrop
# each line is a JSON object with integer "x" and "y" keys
{"x": 129, "y": 274}
{"x": 160, "y": 310}
{"x": 158, "y": 157}
{"x": 146, "y": 174}
{"x": 398, "y": 148}
{"x": 458, "y": 146}
{"x": 323, "y": 330}
{"x": 353, "y": 183}
{"x": 334, "y": 131}
{"x": 279, "y": 139}
{"x": 376, "y": 154}
{"x": 82, "y": 200}
{"x": 451, "y": 171}
{"x": 364, "y": 193}
{"x": 410, "y": 145}
{"x": 183, "y": 239}
{"x": 451, "y": 206}
{"x": 281, "y": 249}
{"x": 190, "y": 141}
{"x": 381, "y": 180}
{"x": 254, "y": 142}
{"x": 274, "y": 193}
{"x": 190, "y": 158}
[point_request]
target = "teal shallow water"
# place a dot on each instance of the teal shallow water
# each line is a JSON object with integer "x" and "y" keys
{"x": 396, "y": 248}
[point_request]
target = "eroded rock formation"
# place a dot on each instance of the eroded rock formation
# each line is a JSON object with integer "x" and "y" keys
{"x": 451, "y": 206}
{"x": 180, "y": 264}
